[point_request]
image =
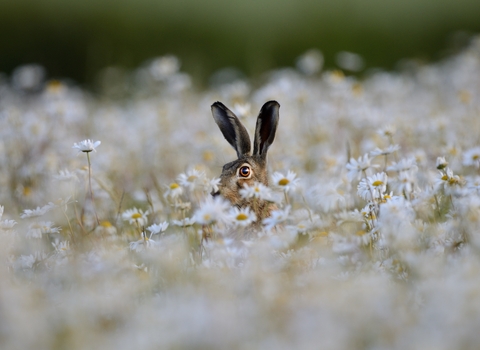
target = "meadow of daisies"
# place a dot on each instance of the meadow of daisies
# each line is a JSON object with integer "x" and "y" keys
{"x": 110, "y": 238}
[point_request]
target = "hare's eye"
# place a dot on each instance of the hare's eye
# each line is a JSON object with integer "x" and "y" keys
{"x": 244, "y": 171}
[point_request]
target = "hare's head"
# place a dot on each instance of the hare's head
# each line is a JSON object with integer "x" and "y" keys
{"x": 249, "y": 167}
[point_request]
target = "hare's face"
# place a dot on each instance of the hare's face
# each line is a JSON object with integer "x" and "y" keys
{"x": 248, "y": 168}
{"x": 240, "y": 173}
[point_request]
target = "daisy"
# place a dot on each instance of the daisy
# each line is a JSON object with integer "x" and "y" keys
{"x": 473, "y": 184}
{"x": 62, "y": 247}
{"x": 241, "y": 110}
{"x": 384, "y": 152}
{"x": 135, "y": 216}
{"x": 157, "y": 228}
{"x": 387, "y": 131}
{"x": 449, "y": 182}
{"x": 185, "y": 222}
{"x": 107, "y": 228}
{"x": 276, "y": 217}
{"x": 191, "y": 179}
{"x": 27, "y": 261}
{"x": 143, "y": 243}
{"x": 213, "y": 209}
{"x": 258, "y": 190}
{"x": 286, "y": 183}
{"x": 441, "y": 163}
{"x": 39, "y": 211}
{"x": 38, "y": 229}
{"x": 357, "y": 167}
{"x": 164, "y": 67}
{"x": 7, "y": 224}
{"x": 65, "y": 175}
{"x": 86, "y": 145}
{"x": 404, "y": 164}
{"x": 374, "y": 186}
{"x": 404, "y": 182}
{"x": 348, "y": 216}
{"x": 471, "y": 157}
{"x": 212, "y": 186}
{"x": 311, "y": 62}
{"x": 242, "y": 216}
{"x": 174, "y": 190}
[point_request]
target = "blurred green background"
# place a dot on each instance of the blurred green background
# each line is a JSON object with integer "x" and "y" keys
{"x": 77, "y": 38}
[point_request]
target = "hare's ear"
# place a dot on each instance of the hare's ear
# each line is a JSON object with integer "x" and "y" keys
{"x": 267, "y": 122}
{"x": 232, "y": 129}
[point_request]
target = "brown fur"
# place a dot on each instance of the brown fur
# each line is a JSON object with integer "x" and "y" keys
{"x": 231, "y": 182}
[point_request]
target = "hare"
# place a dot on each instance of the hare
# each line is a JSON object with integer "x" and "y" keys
{"x": 248, "y": 168}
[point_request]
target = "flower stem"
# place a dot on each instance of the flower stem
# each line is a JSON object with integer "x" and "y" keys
{"x": 90, "y": 186}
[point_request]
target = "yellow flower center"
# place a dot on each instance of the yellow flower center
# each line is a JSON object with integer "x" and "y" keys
{"x": 283, "y": 182}
{"x": 257, "y": 189}
{"x": 377, "y": 183}
{"x": 208, "y": 156}
{"x": 174, "y": 186}
{"x": 444, "y": 177}
{"x": 136, "y": 216}
{"x": 453, "y": 181}
{"x": 106, "y": 224}
{"x": 54, "y": 86}
{"x": 475, "y": 157}
{"x": 361, "y": 233}
{"x": 27, "y": 191}
{"x": 338, "y": 75}
{"x": 242, "y": 217}
{"x": 191, "y": 178}
{"x": 207, "y": 217}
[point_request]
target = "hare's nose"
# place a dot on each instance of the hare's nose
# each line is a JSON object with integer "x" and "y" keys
{"x": 214, "y": 194}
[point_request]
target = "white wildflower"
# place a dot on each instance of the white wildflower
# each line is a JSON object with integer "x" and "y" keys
{"x": 311, "y": 62}
{"x": 405, "y": 164}
{"x": 242, "y": 216}
{"x": 471, "y": 157}
{"x": 374, "y": 186}
{"x": 184, "y": 222}
{"x": 143, "y": 243}
{"x": 192, "y": 179}
{"x": 276, "y": 217}
{"x": 388, "y": 131}
{"x": 38, "y": 229}
{"x": 213, "y": 209}
{"x": 285, "y": 182}
{"x": 7, "y": 224}
{"x": 65, "y": 175}
{"x": 136, "y": 216}
{"x": 39, "y": 211}
{"x": 213, "y": 185}
{"x": 384, "y": 152}
{"x": 348, "y": 216}
{"x": 356, "y": 167}
{"x": 157, "y": 228}
{"x": 62, "y": 247}
{"x": 404, "y": 182}
{"x": 164, "y": 67}
{"x": 441, "y": 163}
{"x": 449, "y": 182}
{"x": 241, "y": 110}
{"x": 258, "y": 190}
{"x": 86, "y": 145}
{"x": 173, "y": 191}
